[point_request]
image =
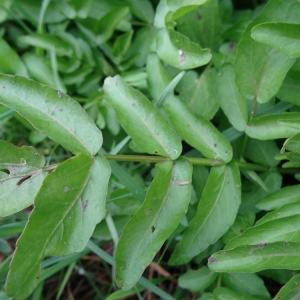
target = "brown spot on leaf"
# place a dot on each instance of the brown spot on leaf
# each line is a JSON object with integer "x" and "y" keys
{"x": 84, "y": 203}
{"x": 212, "y": 260}
{"x": 66, "y": 189}
{"x": 182, "y": 57}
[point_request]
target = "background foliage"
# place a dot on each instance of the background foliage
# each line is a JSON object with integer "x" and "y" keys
{"x": 94, "y": 93}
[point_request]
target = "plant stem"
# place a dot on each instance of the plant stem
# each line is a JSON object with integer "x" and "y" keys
{"x": 194, "y": 160}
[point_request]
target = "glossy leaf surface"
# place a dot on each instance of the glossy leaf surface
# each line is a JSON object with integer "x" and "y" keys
{"x": 178, "y": 51}
{"x": 165, "y": 205}
{"x": 141, "y": 119}
{"x": 260, "y": 69}
{"x": 269, "y": 127}
{"x": 216, "y": 211}
{"x": 67, "y": 208}
{"x": 255, "y": 258}
{"x": 51, "y": 112}
{"x": 284, "y": 37}
{"x": 197, "y": 131}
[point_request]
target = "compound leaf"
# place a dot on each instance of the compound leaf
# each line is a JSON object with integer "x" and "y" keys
{"x": 67, "y": 208}
{"x": 51, "y": 112}
{"x": 165, "y": 205}
{"x": 284, "y": 37}
{"x": 141, "y": 119}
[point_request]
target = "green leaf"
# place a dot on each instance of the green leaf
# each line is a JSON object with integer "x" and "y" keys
{"x": 51, "y": 112}
{"x": 231, "y": 101}
{"x": 282, "y": 228}
{"x": 247, "y": 284}
{"x": 262, "y": 152}
{"x": 67, "y": 208}
{"x": 197, "y": 280}
{"x": 292, "y": 144}
{"x": 197, "y": 131}
{"x": 143, "y": 10}
{"x": 99, "y": 31}
{"x": 276, "y": 126}
{"x": 165, "y": 205}
{"x": 252, "y": 192}
{"x": 290, "y": 290}
{"x": 286, "y": 195}
{"x": 279, "y": 255}
{"x": 38, "y": 70}
{"x": 216, "y": 211}
{"x": 10, "y": 61}
{"x": 286, "y": 210}
{"x": 226, "y": 294}
{"x": 140, "y": 47}
{"x": 21, "y": 177}
{"x": 121, "y": 46}
{"x": 82, "y": 8}
{"x": 141, "y": 119}
{"x": 47, "y": 42}
{"x": 169, "y": 90}
{"x": 169, "y": 10}
{"x": 284, "y": 37}
{"x": 290, "y": 88}
{"x": 157, "y": 78}
{"x": 122, "y": 202}
{"x": 241, "y": 223}
{"x": 207, "y": 20}
{"x": 193, "y": 87}
{"x": 260, "y": 69}
{"x": 178, "y": 51}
